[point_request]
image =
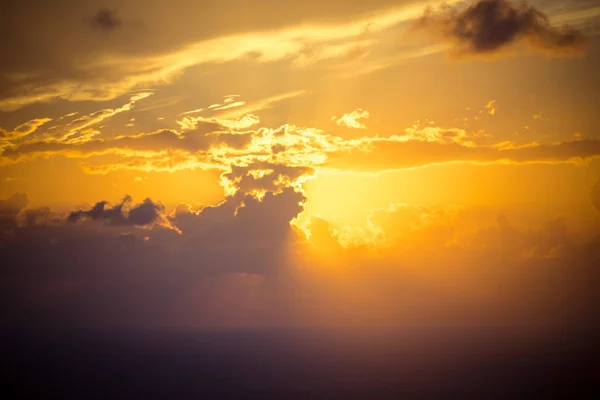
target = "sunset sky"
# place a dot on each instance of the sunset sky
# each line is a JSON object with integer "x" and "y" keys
{"x": 382, "y": 162}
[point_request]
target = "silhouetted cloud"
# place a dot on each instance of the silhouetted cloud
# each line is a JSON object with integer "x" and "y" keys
{"x": 241, "y": 261}
{"x": 595, "y": 195}
{"x": 489, "y": 26}
{"x": 119, "y": 272}
{"x": 106, "y": 19}
{"x": 12, "y": 206}
{"x": 143, "y": 214}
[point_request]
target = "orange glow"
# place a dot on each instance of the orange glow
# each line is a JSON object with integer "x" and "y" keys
{"x": 301, "y": 155}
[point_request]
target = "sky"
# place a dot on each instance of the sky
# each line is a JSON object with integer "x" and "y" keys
{"x": 314, "y": 163}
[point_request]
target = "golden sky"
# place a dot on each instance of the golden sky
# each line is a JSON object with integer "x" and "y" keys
{"x": 416, "y": 141}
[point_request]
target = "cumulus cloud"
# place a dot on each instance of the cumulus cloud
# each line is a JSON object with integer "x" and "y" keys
{"x": 10, "y": 209}
{"x": 117, "y": 273}
{"x": 409, "y": 226}
{"x": 487, "y": 27}
{"x": 261, "y": 177}
{"x": 106, "y": 20}
{"x": 497, "y": 272}
{"x": 406, "y": 230}
{"x": 12, "y": 206}
{"x": 352, "y": 120}
{"x": 121, "y": 272}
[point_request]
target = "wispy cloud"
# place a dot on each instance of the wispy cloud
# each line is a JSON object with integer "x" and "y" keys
{"x": 259, "y": 105}
{"x": 23, "y": 130}
{"x": 115, "y": 74}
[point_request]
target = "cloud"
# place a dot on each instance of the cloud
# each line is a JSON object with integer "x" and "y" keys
{"x": 351, "y": 120}
{"x": 406, "y": 230}
{"x": 488, "y": 27}
{"x": 201, "y": 135}
{"x": 499, "y": 273}
{"x": 261, "y": 104}
{"x": 595, "y": 195}
{"x": 84, "y": 68}
{"x": 11, "y": 208}
{"x": 23, "y": 130}
{"x": 261, "y": 177}
{"x": 106, "y": 20}
{"x": 77, "y": 131}
{"x": 435, "y": 134}
{"x": 243, "y": 251}
{"x": 491, "y": 107}
{"x": 229, "y": 105}
{"x": 203, "y": 143}
{"x": 131, "y": 270}
{"x": 414, "y": 227}
{"x": 397, "y": 153}
{"x": 228, "y": 102}
{"x": 219, "y": 144}
{"x": 145, "y": 214}
{"x": 243, "y": 122}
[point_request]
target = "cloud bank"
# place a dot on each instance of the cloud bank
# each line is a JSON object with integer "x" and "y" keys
{"x": 222, "y": 144}
{"x": 243, "y": 263}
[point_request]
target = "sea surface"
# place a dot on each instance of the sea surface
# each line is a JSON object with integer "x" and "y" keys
{"x": 339, "y": 363}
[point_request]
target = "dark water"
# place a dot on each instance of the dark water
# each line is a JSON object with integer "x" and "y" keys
{"x": 298, "y": 364}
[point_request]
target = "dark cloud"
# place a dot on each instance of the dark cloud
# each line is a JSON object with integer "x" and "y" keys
{"x": 10, "y": 209}
{"x": 490, "y": 26}
{"x": 106, "y": 19}
{"x": 241, "y": 262}
{"x": 144, "y": 214}
{"x": 40, "y": 215}
{"x": 595, "y": 195}
{"x": 118, "y": 272}
{"x": 12, "y": 206}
